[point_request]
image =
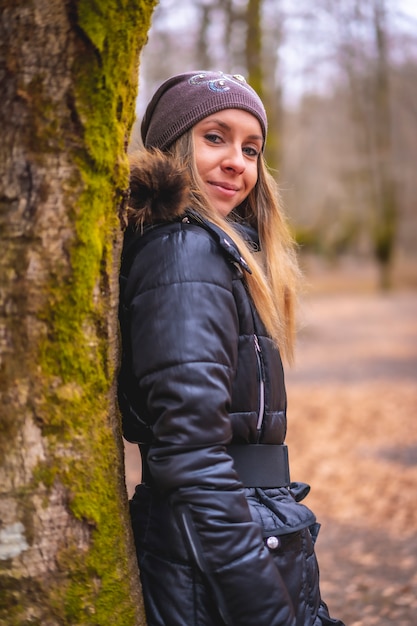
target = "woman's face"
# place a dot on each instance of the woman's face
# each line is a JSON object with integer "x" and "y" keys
{"x": 227, "y": 146}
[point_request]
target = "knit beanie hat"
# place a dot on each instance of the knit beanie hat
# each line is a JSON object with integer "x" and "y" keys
{"x": 185, "y": 99}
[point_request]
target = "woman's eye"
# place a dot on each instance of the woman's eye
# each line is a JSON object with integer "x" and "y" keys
{"x": 250, "y": 151}
{"x": 213, "y": 138}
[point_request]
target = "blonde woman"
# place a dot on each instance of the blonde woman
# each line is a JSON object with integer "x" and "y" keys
{"x": 208, "y": 284}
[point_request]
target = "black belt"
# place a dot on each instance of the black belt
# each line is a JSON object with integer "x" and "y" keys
{"x": 257, "y": 465}
{"x": 261, "y": 465}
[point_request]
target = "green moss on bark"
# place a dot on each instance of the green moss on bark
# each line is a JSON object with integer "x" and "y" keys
{"x": 74, "y": 363}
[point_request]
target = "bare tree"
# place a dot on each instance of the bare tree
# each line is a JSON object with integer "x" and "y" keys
{"x": 274, "y": 23}
{"x": 68, "y": 84}
{"x": 385, "y": 222}
{"x": 367, "y": 67}
{"x": 254, "y": 45}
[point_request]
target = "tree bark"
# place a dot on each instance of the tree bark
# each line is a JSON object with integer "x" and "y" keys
{"x": 68, "y": 84}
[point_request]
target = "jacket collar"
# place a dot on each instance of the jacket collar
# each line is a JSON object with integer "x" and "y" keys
{"x": 224, "y": 241}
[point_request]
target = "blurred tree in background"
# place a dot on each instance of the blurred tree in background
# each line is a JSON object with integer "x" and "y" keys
{"x": 338, "y": 79}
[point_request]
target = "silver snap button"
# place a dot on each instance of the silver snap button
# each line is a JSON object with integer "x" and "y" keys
{"x": 272, "y": 543}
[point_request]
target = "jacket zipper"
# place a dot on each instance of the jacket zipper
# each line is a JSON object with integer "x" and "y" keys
{"x": 261, "y": 409}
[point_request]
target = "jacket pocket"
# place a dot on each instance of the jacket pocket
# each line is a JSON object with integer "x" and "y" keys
{"x": 175, "y": 594}
{"x": 278, "y": 511}
{"x": 296, "y": 561}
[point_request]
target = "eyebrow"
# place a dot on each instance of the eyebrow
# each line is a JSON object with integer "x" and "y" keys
{"x": 210, "y": 120}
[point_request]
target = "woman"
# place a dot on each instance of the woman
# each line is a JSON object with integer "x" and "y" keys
{"x": 208, "y": 283}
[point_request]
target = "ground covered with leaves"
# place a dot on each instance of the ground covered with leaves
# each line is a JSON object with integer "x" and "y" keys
{"x": 352, "y": 436}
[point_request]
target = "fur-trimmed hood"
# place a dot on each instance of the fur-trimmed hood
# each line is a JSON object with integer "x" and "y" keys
{"x": 159, "y": 188}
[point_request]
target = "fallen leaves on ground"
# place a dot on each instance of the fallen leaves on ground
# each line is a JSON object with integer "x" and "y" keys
{"x": 352, "y": 437}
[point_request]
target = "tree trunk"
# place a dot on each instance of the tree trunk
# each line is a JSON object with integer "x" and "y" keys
{"x": 369, "y": 82}
{"x": 254, "y": 45}
{"x": 68, "y": 84}
{"x": 262, "y": 43}
{"x": 385, "y": 227}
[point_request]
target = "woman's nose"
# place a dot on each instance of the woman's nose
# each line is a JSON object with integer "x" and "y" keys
{"x": 234, "y": 159}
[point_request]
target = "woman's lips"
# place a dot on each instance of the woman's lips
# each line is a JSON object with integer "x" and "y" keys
{"x": 226, "y": 188}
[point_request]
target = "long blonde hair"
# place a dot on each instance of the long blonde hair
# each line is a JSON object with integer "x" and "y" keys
{"x": 274, "y": 282}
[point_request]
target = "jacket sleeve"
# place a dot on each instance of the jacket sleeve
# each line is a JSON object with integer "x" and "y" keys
{"x": 184, "y": 337}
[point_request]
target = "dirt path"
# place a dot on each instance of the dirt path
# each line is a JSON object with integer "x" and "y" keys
{"x": 353, "y": 437}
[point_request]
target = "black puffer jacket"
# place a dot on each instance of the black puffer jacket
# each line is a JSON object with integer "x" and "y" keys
{"x": 200, "y": 371}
